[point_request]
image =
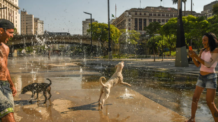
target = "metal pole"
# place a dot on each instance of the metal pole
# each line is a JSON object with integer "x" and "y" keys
{"x": 191, "y": 7}
{"x": 91, "y": 35}
{"x": 109, "y": 37}
{"x": 162, "y": 48}
{"x": 181, "y": 54}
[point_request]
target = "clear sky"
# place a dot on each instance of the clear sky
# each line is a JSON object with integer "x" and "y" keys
{"x": 64, "y": 15}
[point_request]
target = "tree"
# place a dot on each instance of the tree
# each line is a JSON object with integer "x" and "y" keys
{"x": 184, "y": 1}
{"x": 154, "y": 43}
{"x": 130, "y": 36}
{"x": 153, "y": 28}
{"x": 100, "y": 32}
{"x": 215, "y": 9}
{"x": 169, "y": 31}
{"x": 213, "y": 24}
{"x": 197, "y": 27}
{"x": 15, "y": 31}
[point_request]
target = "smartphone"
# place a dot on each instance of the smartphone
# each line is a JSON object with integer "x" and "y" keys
{"x": 190, "y": 47}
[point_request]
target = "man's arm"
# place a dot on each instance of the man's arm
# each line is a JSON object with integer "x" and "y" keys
{"x": 14, "y": 91}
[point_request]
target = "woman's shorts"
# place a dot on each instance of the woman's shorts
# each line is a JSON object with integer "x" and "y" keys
{"x": 6, "y": 99}
{"x": 207, "y": 81}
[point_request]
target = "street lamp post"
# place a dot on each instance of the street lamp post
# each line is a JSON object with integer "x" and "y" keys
{"x": 91, "y": 29}
{"x": 109, "y": 37}
{"x": 181, "y": 54}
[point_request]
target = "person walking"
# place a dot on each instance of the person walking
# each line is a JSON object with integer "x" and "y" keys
{"x": 7, "y": 88}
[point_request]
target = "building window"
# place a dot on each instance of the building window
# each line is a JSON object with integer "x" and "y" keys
{"x": 140, "y": 24}
{"x": 144, "y": 13}
{"x": 140, "y": 13}
{"x": 129, "y": 20}
{"x": 167, "y": 15}
{"x": 158, "y": 20}
{"x": 135, "y": 13}
{"x": 158, "y": 14}
{"x": 145, "y": 23}
{"x": 150, "y": 14}
{"x": 154, "y": 14}
{"x": 171, "y": 15}
{"x": 167, "y": 20}
{"x": 136, "y": 24}
{"x": 150, "y": 20}
{"x": 163, "y": 20}
{"x": 154, "y": 20}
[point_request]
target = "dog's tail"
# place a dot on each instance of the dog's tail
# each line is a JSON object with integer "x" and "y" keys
{"x": 50, "y": 81}
{"x": 100, "y": 79}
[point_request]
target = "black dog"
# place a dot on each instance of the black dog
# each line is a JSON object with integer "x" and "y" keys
{"x": 38, "y": 87}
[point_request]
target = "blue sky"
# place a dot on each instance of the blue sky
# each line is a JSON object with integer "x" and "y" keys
{"x": 64, "y": 15}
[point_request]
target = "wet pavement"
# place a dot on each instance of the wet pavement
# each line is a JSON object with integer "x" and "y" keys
{"x": 158, "y": 94}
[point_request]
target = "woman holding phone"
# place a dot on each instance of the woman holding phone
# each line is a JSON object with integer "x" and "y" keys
{"x": 207, "y": 60}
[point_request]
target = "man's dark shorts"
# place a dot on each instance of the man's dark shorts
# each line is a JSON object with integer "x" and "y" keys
{"x": 6, "y": 99}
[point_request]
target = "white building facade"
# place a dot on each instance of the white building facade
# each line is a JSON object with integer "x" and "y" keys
{"x": 10, "y": 12}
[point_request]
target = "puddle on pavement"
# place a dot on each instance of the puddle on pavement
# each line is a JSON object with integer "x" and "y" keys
{"x": 168, "y": 88}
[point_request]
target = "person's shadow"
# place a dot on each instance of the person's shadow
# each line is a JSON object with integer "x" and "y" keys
{"x": 92, "y": 106}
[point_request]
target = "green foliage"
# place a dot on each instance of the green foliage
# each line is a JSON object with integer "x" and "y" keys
{"x": 131, "y": 36}
{"x": 100, "y": 32}
{"x": 213, "y": 24}
{"x": 153, "y": 28}
{"x": 194, "y": 28}
{"x": 29, "y": 49}
{"x": 15, "y": 31}
{"x": 154, "y": 43}
{"x": 215, "y": 9}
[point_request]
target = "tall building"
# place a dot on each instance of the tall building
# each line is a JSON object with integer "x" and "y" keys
{"x": 27, "y": 23}
{"x": 208, "y": 9}
{"x": 86, "y": 25}
{"x": 10, "y": 12}
{"x": 38, "y": 26}
{"x": 31, "y": 25}
{"x": 139, "y": 18}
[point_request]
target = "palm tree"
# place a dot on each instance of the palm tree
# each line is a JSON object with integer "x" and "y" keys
{"x": 184, "y": 1}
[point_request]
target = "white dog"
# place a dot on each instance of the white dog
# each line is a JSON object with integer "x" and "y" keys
{"x": 116, "y": 78}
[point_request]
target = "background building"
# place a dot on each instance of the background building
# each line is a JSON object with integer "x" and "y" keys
{"x": 208, "y": 9}
{"x": 139, "y": 18}
{"x": 86, "y": 25}
{"x": 31, "y": 25}
{"x": 38, "y": 26}
{"x": 27, "y": 23}
{"x": 11, "y": 12}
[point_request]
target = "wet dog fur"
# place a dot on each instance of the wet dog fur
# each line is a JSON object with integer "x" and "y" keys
{"x": 116, "y": 78}
{"x": 37, "y": 88}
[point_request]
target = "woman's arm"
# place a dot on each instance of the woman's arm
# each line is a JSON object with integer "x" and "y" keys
{"x": 214, "y": 58}
{"x": 197, "y": 63}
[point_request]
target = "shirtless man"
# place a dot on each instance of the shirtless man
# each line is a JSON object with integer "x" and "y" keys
{"x": 7, "y": 88}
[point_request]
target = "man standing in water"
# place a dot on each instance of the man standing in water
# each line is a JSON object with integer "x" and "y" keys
{"x": 7, "y": 88}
